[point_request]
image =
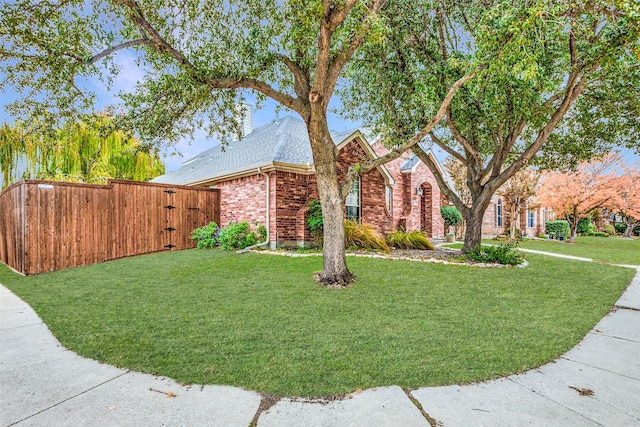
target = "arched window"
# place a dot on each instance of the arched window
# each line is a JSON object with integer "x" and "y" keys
{"x": 499, "y": 213}
{"x": 389, "y": 198}
{"x": 353, "y": 202}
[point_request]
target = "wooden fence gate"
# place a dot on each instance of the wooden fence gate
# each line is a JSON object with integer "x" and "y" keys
{"x": 49, "y": 226}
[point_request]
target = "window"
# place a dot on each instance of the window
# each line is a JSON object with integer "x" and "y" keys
{"x": 353, "y": 202}
{"x": 389, "y": 196}
{"x": 530, "y": 219}
{"x": 499, "y": 213}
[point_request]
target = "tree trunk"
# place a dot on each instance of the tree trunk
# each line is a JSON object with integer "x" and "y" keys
{"x": 630, "y": 226}
{"x": 334, "y": 267}
{"x": 473, "y": 236}
{"x": 473, "y": 216}
{"x": 513, "y": 221}
{"x": 574, "y": 229}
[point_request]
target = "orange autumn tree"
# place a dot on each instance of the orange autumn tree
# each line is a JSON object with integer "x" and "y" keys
{"x": 628, "y": 204}
{"x": 593, "y": 185}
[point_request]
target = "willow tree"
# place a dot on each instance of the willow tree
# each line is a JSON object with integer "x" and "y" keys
{"x": 557, "y": 82}
{"x": 88, "y": 151}
{"x": 200, "y": 59}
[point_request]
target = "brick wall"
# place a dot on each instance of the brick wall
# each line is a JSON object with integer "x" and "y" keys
{"x": 373, "y": 209}
{"x": 243, "y": 199}
{"x": 409, "y": 209}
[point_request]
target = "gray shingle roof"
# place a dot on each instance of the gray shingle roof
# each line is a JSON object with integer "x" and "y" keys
{"x": 283, "y": 140}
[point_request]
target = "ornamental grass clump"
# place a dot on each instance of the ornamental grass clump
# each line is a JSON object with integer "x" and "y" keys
{"x": 412, "y": 240}
{"x": 363, "y": 236}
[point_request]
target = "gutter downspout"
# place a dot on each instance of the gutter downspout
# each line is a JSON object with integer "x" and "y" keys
{"x": 267, "y": 216}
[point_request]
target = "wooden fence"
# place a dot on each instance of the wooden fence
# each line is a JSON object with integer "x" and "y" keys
{"x": 49, "y": 226}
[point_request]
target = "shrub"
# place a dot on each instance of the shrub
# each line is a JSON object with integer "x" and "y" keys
{"x": 585, "y": 226}
{"x": 206, "y": 236}
{"x": 503, "y": 254}
{"x": 542, "y": 236}
{"x": 261, "y": 231}
{"x": 363, "y": 236}
{"x": 559, "y": 227}
{"x": 620, "y": 227}
{"x": 600, "y": 234}
{"x": 610, "y": 230}
{"x": 413, "y": 240}
{"x": 236, "y": 236}
{"x": 315, "y": 221}
{"x": 451, "y": 216}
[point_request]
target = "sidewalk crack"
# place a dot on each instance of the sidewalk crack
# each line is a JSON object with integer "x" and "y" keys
{"x": 68, "y": 399}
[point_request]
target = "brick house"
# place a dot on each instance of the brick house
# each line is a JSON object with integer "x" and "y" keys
{"x": 416, "y": 197}
{"x": 530, "y": 222}
{"x": 268, "y": 177}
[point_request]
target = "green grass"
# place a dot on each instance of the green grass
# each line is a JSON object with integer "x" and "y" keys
{"x": 259, "y": 321}
{"x": 604, "y": 249}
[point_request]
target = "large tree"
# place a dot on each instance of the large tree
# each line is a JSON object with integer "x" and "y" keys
{"x": 575, "y": 194}
{"x": 87, "y": 151}
{"x": 199, "y": 57}
{"x": 556, "y": 83}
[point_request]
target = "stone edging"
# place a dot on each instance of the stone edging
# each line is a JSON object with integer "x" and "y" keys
{"x": 399, "y": 258}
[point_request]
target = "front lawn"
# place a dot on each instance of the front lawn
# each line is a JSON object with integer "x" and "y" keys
{"x": 615, "y": 250}
{"x": 259, "y": 321}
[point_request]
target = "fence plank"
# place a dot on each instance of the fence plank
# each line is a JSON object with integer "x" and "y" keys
{"x": 48, "y": 226}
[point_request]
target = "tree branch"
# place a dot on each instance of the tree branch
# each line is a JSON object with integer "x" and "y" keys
{"x": 444, "y": 187}
{"x": 340, "y": 58}
{"x": 113, "y": 49}
{"x": 365, "y": 167}
{"x": 162, "y": 46}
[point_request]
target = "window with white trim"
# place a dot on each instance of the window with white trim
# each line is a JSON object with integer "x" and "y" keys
{"x": 353, "y": 201}
{"x": 530, "y": 219}
{"x": 389, "y": 198}
{"x": 499, "y": 213}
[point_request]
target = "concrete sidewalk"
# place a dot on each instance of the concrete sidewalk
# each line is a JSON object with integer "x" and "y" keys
{"x": 42, "y": 384}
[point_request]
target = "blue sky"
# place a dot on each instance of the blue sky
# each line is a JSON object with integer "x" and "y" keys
{"x": 126, "y": 80}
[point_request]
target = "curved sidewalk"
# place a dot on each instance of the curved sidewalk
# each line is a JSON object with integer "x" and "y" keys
{"x": 42, "y": 384}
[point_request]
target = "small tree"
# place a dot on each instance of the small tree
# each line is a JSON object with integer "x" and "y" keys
{"x": 628, "y": 204}
{"x": 593, "y": 185}
{"x": 451, "y": 216}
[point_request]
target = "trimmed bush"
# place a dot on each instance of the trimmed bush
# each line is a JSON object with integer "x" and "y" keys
{"x": 585, "y": 226}
{"x": 412, "y": 240}
{"x": 363, "y": 236}
{"x": 451, "y": 216}
{"x": 610, "y": 230}
{"x": 206, "y": 236}
{"x": 560, "y": 227}
{"x": 503, "y": 254}
{"x": 600, "y": 234}
{"x": 236, "y": 236}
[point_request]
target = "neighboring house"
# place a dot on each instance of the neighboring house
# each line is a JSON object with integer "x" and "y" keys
{"x": 268, "y": 177}
{"x": 531, "y": 221}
